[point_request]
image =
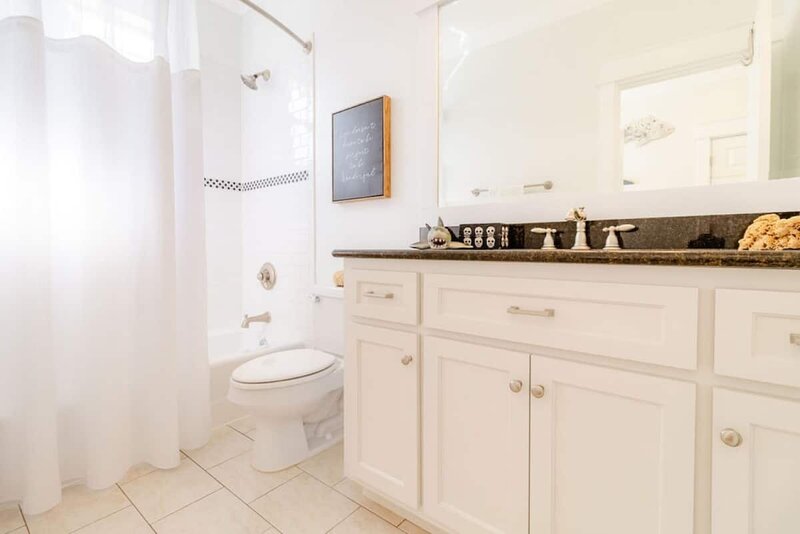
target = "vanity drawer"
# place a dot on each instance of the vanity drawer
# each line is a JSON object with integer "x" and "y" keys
{"x": 385, "y": 295}
{"x": 757, "y": 335}
{"x": 653, "y": 324}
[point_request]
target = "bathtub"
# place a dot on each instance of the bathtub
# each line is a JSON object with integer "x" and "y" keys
{"x": 227, "y": 350}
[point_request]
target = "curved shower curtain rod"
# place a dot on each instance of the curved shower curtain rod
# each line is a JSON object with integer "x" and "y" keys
{"x": 305, "y": 44}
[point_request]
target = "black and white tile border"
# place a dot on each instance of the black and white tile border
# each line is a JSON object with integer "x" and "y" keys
{"x": 272, "y": 181}
{"x": 222, "y": 184}
{"x": 252, "y": 185}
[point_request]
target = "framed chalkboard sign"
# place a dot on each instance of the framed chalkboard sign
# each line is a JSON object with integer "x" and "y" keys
{"x": 361, "y": 151}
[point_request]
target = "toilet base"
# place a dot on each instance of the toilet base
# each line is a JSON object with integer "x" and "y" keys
{"x": 280, "y": 444}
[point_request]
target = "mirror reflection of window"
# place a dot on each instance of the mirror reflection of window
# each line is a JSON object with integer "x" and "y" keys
{"x": 690, "y": 130}
{"x": 535, "y": 92}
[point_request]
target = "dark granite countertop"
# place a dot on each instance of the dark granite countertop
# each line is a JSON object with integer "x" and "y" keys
{"x": 788, "y": 259}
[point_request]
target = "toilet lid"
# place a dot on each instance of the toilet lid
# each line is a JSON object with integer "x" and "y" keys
{"x": 283, "y": 365}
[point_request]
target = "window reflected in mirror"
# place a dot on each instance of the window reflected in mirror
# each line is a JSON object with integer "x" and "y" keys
{"x": 689, "y": 130}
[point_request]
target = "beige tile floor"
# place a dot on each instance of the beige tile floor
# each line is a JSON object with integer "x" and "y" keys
{"x": 215, "y": 491}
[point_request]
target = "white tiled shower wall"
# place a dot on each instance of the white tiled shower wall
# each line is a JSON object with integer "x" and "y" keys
{"x": 220, "y": 65}
{"x": 277, "y": 122}
{"x": 251, "y": 135}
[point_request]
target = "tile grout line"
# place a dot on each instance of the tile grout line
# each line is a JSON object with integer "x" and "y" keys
{"x": 402, "y": 519}
{"x": 300, "y": 472}
{"x": 331, "y": 486}
{"x": 276, "y": 487}
{"x": 233, "y": 493}
{"x": 140, "y": 476}
{"x": 24, "y": 519}
{"x": 382, "y": 519}
{"x": 222, "y": 486}
{"x": 101, "y": 518}
{"x": 185, "y": 506}
{"x": 397, "y": 526}
{"x": 223, "y": 461}
{"x": 358, "y": 507}
{"x": 240, "y": 432}
{"x": 136, "y": 507}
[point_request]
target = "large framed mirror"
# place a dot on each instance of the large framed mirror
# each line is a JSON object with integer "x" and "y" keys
{"x": 580, "y": 96}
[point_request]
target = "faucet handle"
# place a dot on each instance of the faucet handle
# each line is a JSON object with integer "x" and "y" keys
{"x": 549, "y": 243}
{"x": 623, "y": 227}
{"x": 612, "y": 241}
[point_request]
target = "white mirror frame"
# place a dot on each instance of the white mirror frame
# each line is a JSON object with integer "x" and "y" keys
{"x": 751, "y": 197}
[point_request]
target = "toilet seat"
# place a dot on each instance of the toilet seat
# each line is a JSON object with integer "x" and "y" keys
{"x": 283, "y": 368}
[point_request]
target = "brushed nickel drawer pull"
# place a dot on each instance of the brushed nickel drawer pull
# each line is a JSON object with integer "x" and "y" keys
{"x": 515, "y": 386}
{"x": 407, "y": 359}
{"x": 794, "y": 339}
{"x": 516, "y": 310}
{"x": 374, "y": 295}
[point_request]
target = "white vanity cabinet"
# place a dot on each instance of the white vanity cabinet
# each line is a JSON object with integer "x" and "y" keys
{"x": 758, "y": 335}
{"x": 475, "y": 436}
{"x": 756, "y": 459}
{"x": 382, "y": 411}
{"x": 655, "y": 324}
{"x": 616, "y": 446}
{"x": 575, "y": 399}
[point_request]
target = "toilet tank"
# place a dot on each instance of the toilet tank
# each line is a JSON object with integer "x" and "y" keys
{"x": 328, "y": 320}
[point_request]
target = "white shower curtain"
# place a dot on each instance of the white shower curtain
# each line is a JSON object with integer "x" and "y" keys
{"x": 103, "y": 357}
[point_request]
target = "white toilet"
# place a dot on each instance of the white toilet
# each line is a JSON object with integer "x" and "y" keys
{"x": 295, "y": 399}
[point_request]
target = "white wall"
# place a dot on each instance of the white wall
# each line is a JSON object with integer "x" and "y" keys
{"x": 364, "y": 49}
{"x": 221, "y": 91}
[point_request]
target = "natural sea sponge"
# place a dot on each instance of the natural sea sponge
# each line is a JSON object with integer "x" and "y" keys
{"x": 770, "y": 232}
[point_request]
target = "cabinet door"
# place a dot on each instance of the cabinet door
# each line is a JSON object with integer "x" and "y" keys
{"x": 381, "y": 396}
{"x": 756, "y": 467}
{"x": 611, "y": 451}
{"x": 475, "y": 431}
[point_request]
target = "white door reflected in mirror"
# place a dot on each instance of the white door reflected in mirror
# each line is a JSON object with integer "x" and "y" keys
{"x": 615, "y": 95}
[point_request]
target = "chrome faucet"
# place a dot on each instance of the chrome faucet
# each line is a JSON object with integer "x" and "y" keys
{"x": 263, "y": 318}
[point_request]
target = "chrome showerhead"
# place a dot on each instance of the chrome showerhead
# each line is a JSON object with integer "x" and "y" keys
{"x": 249, "y": 80}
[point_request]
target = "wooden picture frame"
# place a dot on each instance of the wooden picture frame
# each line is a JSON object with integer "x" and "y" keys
{"x": 361, "y": 151}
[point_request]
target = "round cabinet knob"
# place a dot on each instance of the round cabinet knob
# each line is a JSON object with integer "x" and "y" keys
{"x": 537, "y": 391}
{"x": 515, "y": 386}
{"x": 407, "y": 359}
{"x": 730, "y": 437}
